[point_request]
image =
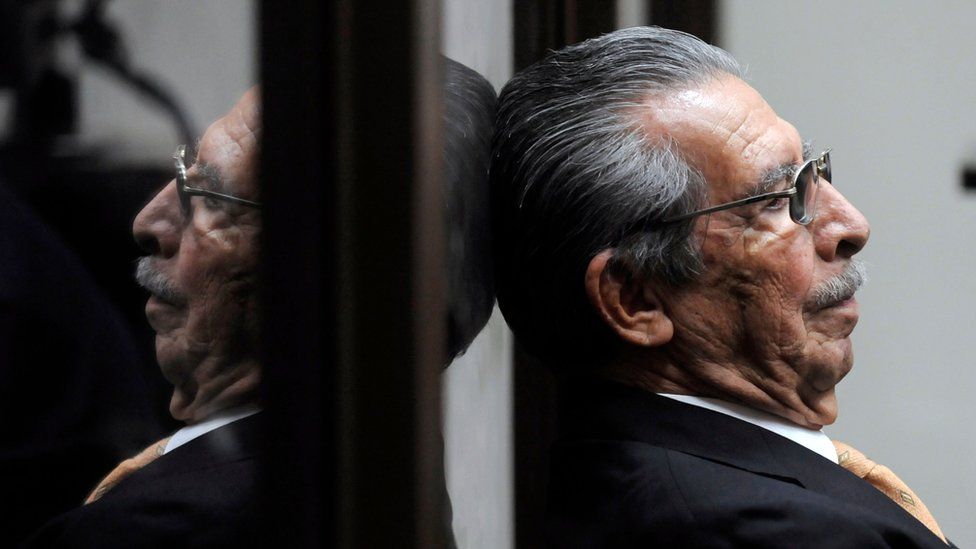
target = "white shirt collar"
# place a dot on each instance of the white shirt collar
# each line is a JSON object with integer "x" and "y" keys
{"x": 811, "y": 439}
{"x": 190, "y": 432}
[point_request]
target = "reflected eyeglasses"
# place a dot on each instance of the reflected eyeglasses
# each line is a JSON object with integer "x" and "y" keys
{"x": 185, "y": 192}
{"x": 802, "y": 195}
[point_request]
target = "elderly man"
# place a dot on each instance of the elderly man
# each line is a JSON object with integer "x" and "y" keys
{"x": 673, "y": 250}
{"x": 196, "y": 488}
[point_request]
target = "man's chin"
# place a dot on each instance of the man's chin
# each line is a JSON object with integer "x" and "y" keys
{"x": 171, "y": 361}
{"x": 838, "y": 321}
{"x": 826, "y": 410}
{"x": 163, "y": 316}
{"x": 820, "y": 396}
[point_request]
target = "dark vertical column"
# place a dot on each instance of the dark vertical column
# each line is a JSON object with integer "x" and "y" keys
{"x": 353, "y": 252}
{"x": 543, "y": 25}
{"x": 593, "y": 18}
{"x": 538, "y": 27}
{"x": 696, "y": 17}
{"x": 300, "y": 189}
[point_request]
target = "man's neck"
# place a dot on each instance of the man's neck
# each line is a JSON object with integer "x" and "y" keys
{"x": 718, "y": 381}
{"x": 216, "y": 387}
{"x": 812, "y": 439}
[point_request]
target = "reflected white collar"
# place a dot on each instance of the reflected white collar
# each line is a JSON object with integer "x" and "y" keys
{"x": 811, "y": 439}
{"x": 216, "y": 421}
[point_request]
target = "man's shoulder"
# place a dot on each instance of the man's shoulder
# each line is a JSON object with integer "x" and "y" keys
{"x": 602, "y": 490}
{"x": 649, "y": 486}
{"x": 180, "y": 511}
{"x": 199, "y": 495}
{"x": 614, "y": 493}
{"x": 634, "y": 468}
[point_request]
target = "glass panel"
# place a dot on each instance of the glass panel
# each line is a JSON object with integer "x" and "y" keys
{"x": 97, "y": 95}
{"x": 477, "y": 388}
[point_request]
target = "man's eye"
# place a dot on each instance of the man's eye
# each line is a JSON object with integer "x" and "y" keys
{"x": 777, "y": 203}
{"x": 211, "y": 203}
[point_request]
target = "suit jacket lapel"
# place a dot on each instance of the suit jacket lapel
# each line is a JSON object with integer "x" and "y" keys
{"x": 604, "y": 410}
{"x": 609, "y": 410}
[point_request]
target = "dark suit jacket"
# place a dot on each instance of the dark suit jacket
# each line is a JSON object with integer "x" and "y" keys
{"x": 634, "y": 469}
{"x": 201, "y": 494}
{"x": 73, "y": 401}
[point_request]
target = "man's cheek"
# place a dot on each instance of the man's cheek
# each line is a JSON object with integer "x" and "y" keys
{"x": 223, "y": 238}
{"x": 760, "y": 241}
{"x": 785, "y": 266}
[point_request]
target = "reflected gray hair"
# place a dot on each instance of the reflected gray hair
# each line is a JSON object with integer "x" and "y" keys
{"x": 574, "y": 173}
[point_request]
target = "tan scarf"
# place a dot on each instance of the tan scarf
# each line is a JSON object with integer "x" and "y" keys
{"x": 890, "y": 485}
{"x": 126, "y": 468}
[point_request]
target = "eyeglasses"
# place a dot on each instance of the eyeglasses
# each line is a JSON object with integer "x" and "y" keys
{"x": 185, "y": 191}
{"x": 802, "y": 195}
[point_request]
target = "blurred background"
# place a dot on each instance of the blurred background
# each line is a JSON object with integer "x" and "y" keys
{"x": 94, "y": 97}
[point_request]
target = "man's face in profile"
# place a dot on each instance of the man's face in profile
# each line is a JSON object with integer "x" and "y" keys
{"x": 202, "y": 265}
{"x": 753, "y": 311}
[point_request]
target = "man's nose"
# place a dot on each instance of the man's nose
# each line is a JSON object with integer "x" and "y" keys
{"x": 157, "y": 227}
{"x": 840, "y": 229}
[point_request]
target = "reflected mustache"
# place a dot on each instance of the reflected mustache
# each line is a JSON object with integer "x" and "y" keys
{"x": 841, "y": 287}
{"x": 150, "y": 278}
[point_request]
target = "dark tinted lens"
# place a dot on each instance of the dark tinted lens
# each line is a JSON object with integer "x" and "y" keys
{"x": 803, "y": 205}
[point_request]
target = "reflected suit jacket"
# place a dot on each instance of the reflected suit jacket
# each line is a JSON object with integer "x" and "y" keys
{"x": 201, "y": 494}
{"x": 634, "y": 469}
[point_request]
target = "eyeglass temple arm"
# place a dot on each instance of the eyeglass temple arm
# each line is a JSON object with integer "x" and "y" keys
{"x": 181, "y": 168}
{"x": 214, "y": 194}
{"x": 728, "y": 205}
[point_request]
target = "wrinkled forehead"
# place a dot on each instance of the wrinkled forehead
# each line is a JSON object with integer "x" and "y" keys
{"x": 231, "y": 144}
{"x": 725, "y": 129}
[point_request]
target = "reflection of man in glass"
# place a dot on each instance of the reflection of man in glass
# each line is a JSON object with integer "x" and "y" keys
{"x": 201, "y": 231}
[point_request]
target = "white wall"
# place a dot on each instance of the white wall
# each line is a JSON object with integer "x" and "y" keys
{"x": 204, "y": 52}
{"x": 891, "y": 86}
{"x": 478, "y": 436}
{"x": 477, "y": 392}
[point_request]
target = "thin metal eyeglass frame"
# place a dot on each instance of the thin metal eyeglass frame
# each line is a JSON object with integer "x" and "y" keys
{"x": 185, "y": 191}
{"x": 821, "y": 166}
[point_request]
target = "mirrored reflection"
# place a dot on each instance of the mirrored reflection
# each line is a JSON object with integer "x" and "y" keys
{"x": 469, "y": 108}
{"x": 102, "y": 393}
{"x": 477, "y": 387}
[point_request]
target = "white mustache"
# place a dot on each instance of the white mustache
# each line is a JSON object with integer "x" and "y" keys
{"x": 841, "y": 287}
{"x": 150, "y": 278}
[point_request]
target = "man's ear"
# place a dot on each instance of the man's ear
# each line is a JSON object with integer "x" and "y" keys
{"x": 631, "y": 309}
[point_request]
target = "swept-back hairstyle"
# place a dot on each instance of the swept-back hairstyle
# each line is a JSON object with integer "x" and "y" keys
{"x": 574, "y": 173}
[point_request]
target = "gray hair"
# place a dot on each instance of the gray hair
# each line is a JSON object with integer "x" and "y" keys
{"x": 151, "y": 278}
{"x": 840, "y": 287}
{"x": 574, "y": 173}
